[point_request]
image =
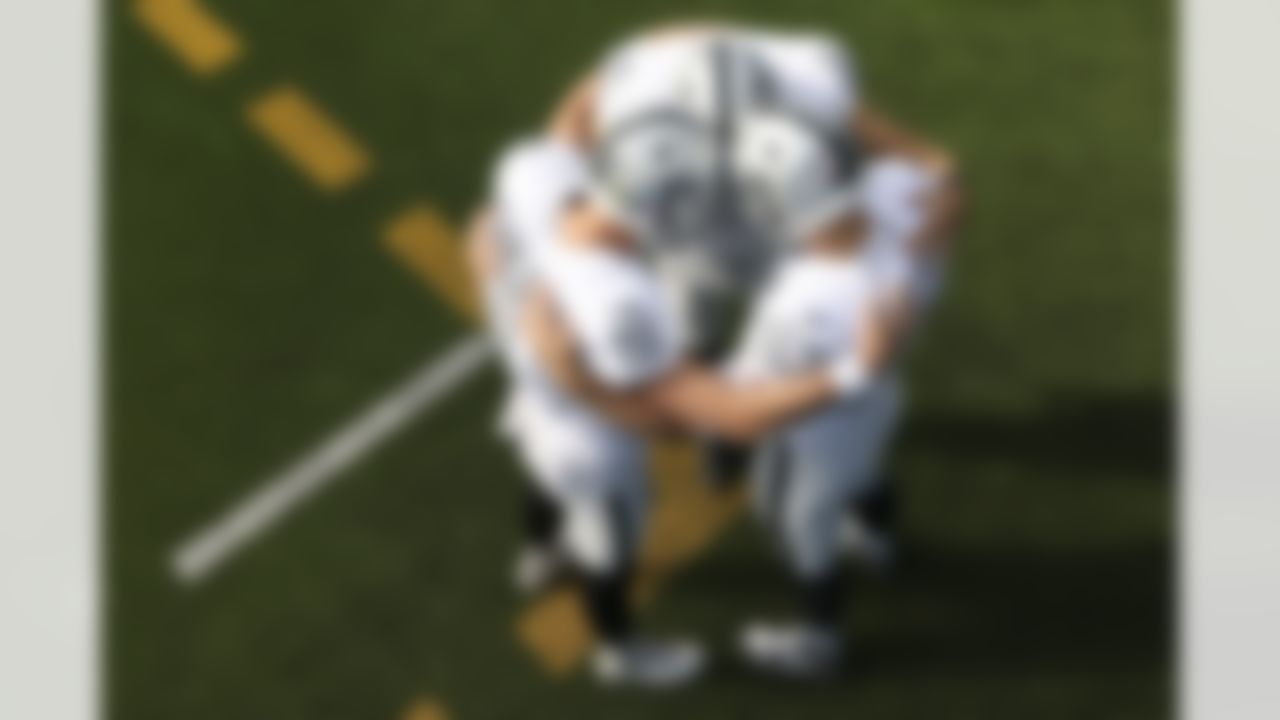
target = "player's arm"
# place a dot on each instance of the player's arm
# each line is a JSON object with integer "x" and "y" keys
{"x": 483, "y": 252}
{"x": 700, "y": 399}
{"x": 572, "y": 120}
{"x": 942, "y": 201}
{"x": 687, "y": 396}
{"x": 944, "y": 207}
{"x": 881, "y": 134}
{"x": 883, "y": 326}
{"x": 706, "y": 400}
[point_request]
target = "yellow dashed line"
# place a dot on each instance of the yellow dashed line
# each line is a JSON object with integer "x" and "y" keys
{"x": 555, "y": 631}
{"x": 203, "y": 42}
{"x": 323, "y": 151}
{"x": 316, "y": 144}
{"x": 686, "y": 519}
{"x": 426, "y": 710}
{"x": 424, "y": 242}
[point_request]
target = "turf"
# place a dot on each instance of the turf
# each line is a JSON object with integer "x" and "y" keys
{"x": 248, "y": 313}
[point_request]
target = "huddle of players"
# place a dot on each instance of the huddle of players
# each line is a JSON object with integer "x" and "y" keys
{"x": 697, "y": 166}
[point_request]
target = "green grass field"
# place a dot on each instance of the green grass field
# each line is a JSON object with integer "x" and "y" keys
{"x": 248, "y": 314}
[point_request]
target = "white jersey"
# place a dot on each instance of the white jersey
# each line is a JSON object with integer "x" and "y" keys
{"x": 807, "y": 317}
{"x": 613, "y": 307}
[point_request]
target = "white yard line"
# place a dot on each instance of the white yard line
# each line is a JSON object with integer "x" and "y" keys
{"x": 199, "y": 556}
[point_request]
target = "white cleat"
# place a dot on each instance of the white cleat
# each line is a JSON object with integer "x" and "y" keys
{"x": 648, "y": 664}
{"x": 795, "y": 651}
{"x": 537, "y": 568}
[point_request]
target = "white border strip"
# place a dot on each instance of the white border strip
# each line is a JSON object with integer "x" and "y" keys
{"x": 1230, "y": 502}
{"x": 49, "y": 431}
{"x": 197, "y": 558}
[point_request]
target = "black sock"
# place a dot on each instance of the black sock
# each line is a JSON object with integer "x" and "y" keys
{"x": 725, "y": 463}
{"x": 879, "y": 508}
{"x": 608, "y": 605}
{"x": 822, "y": 599}
{"x": 541, "y": 517}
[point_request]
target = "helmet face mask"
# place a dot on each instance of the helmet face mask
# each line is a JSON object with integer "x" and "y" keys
{"x": 657, "y": 175}
{"x": 791, "y": 178}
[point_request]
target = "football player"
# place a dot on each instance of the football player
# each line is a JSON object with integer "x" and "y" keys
{"x": 860, "y": 245}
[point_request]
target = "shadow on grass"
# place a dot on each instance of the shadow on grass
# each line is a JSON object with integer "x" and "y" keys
{"x": 966, "y": 612}
{"x": 983, "y": 605}
{"x": 1081, "y": 430}
{"x": 1011, "y": 611}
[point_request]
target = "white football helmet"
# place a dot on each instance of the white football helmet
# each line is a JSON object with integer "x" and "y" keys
{"x": 792, "y": 178}
{"x": 710, "y": 76}
{"x": 657, "y": 173}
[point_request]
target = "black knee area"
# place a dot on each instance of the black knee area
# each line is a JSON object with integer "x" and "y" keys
{"x": 608, "y": 604}
{"x": 541, "y": 517}
{"x": 879, "y": 509}
{"x": 822, "y": 599}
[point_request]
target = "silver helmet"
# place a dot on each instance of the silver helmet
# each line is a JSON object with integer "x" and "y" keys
{"x": 656, "y": 173}
{"x": 792, "y": 177}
